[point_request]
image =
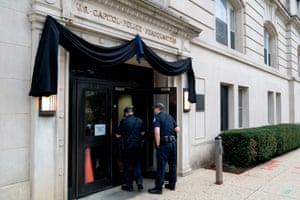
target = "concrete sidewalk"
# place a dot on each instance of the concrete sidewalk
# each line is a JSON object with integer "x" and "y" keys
{"x": 275, "y": 180}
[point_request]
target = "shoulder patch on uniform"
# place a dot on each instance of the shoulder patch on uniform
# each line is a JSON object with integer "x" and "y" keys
{"x": 154, "y": 119}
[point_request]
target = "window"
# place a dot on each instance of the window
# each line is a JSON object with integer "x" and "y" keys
{"x": 274, "y": 107}
{"x": 243, "y": 107}
{"x": 292, "y": 6}
{"x": 267, "y": 48}
{"x": 224, "y": 107}
{"x": 299, "y": 61}
{"x": 271, "y": 107}
{"x": 225, "y": 23}
{"x": 298, "y": 7}
{"x": 270, "y": 45}
{"x": 278, "y": 107}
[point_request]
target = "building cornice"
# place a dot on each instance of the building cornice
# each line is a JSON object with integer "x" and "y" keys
{"x": 284, "y": 12}
{"x": 296, "y": 21}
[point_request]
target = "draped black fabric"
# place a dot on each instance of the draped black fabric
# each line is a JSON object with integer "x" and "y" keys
{"x": 45, "y": 74}
{"x": 172, "y": 68}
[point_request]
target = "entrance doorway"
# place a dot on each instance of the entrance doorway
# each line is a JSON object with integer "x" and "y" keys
{"x": 142, "y": 101}
{"x": 97, "y": 99}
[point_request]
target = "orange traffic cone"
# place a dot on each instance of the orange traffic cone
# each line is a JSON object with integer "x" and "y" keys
{"x": 89, "y": 175}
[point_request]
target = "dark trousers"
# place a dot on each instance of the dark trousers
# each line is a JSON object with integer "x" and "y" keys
{"x": 132, "y": 164}
{"x": 166, "y": 153}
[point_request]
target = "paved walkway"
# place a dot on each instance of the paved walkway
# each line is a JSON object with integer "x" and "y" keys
{"x": 278, "y": 179}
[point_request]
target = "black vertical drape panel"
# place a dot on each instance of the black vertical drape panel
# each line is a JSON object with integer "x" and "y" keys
{"x": 172, "y": 68}
{"x": 45, "y": 73}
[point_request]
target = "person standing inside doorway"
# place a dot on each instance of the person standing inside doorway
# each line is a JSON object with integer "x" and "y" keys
{"x": 165, "y": 132}
{"x": 132, "y": 130}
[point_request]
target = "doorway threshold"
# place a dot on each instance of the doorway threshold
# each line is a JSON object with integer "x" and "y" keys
{"x": 117, "y": 194}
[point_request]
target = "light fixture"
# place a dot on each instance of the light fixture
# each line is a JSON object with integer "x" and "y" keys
{"x": 47, "y": 105}
{"x": 186, "y": 103}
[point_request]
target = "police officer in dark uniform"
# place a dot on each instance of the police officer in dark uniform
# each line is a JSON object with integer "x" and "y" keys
{"x": 132, "y": 130}
{"x": 165, "y": 131}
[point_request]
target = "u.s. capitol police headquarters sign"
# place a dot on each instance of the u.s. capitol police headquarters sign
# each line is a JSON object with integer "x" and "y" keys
{"x": 128, "y": 17}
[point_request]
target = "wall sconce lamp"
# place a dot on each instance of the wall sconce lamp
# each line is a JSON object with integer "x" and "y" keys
{"x": 186, "y": 103}
{"x": 47, "y": 106}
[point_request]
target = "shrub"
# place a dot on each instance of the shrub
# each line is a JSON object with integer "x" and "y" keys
{"x": 245, "y": 147}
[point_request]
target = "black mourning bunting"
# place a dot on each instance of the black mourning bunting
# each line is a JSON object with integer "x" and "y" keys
{"x": 45, "y": 74}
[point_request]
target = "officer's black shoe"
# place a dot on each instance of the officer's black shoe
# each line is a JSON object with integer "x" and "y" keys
{"x": 168, "y": 186}
{"x": 140, "y": 187}
{"x": 155, "y": 190}
{"x": 126, "y": 188}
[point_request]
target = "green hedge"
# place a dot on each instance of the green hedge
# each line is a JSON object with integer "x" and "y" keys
{"x": 245, "y": 147}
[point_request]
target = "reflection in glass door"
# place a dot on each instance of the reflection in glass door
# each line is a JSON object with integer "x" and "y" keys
{"x": 96, "y": 164}
{"x": 92, "y": 166}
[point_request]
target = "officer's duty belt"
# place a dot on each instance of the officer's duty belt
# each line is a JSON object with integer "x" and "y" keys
{"x": 168, "y": 139}
{"x": 133, "y": 141}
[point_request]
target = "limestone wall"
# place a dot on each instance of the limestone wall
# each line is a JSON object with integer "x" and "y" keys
{"x": 15, "y": 73}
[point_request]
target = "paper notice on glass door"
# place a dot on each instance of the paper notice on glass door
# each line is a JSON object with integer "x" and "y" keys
{"x": 100, "y": 129}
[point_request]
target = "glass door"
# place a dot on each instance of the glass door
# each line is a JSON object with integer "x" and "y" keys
{"x": 95, "y": 161}
{"x": 92, "y": 166}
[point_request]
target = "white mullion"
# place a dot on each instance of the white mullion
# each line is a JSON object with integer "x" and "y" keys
{"x": 228, "y": 25}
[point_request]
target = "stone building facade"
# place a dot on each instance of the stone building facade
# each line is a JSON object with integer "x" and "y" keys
{"x": 246, "y": 59}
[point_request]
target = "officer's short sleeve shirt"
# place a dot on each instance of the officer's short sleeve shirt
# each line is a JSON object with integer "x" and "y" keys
{"x": 166, "y": 123}
{"x": 131, "y": 127}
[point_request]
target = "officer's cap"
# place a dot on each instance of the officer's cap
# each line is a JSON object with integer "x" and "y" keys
{"x": 128, "y": 109}
{"x": 160, "y": 106}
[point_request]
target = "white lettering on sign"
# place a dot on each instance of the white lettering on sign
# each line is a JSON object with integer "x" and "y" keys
{"x": 98, "y": 14}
